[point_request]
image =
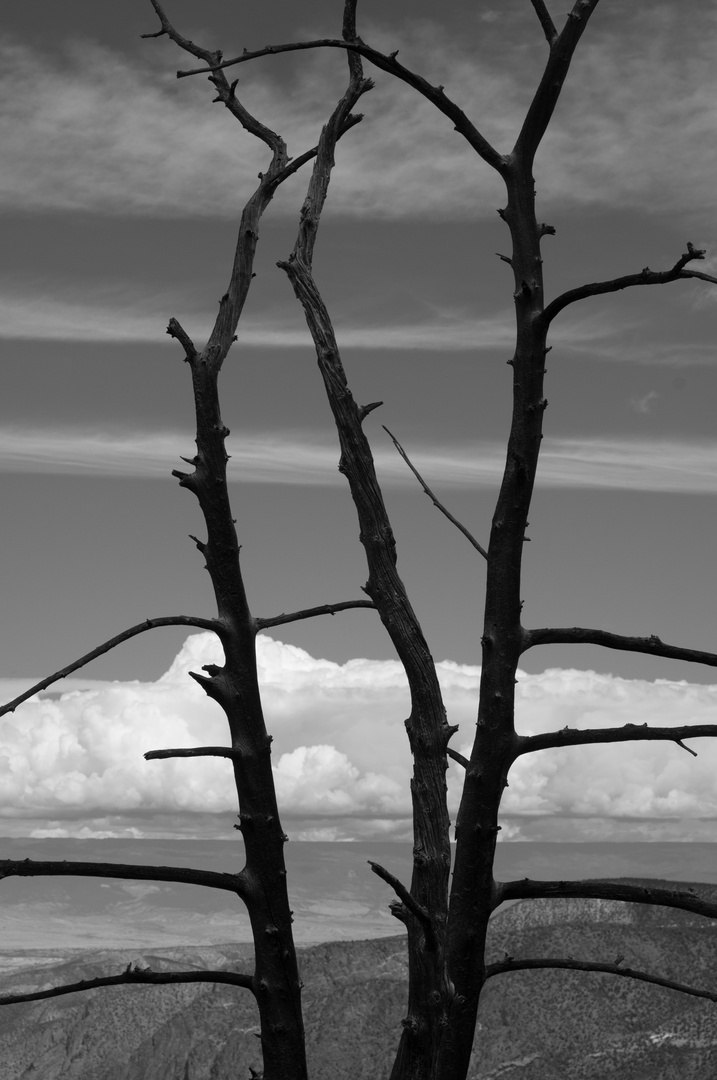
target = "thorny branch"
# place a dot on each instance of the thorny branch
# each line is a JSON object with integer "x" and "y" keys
{"x": 135, "y": 975}
{"x": 148, "y": 624}
{"x": 511, "y": 964}
{"x": 436, "y": 502}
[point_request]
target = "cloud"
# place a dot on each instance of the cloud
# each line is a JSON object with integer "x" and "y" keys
{"x": 36, "y": 315}
{"x": 634, "y": 128}
{"x": 298, "y": 458}
{"x": 644, "y": 404}
{"x": 74, "y": 766}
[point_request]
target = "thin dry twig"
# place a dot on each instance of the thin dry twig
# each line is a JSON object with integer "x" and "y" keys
{"x": 436, "y": 502}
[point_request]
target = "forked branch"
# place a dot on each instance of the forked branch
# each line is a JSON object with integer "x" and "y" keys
{"x": 551, "y": 34}
{"x": 579, "y": 635}
{"x": 149, "y": 624}
{"x": 136, "y": 976}
{"x": 388, "y": 63}
{"x": 554, "y": 75}
{"x": 568, "y": 964}
{"x": 645, "y": 277}
{"x": 436, "y": 502}
{"x": 408, "y": 900}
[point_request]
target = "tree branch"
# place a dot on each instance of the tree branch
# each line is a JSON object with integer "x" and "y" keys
{"x": 309, "y": 613}
{"x": 645, "y": 277}
{"x": 194, "y": 751}
{"x": 528, "y": 744}
{"x": 149, "y": 624}
{"x": 578, "y": 635}
{"x": 551, "y": 34}
{"x": 408, "y": 900}
{"x": 439, "y": 505}
{"x": 135, "y": 975}
{"x": 556, "y": 70}
{"x": 457, "y": 757}
{"x": 527, "y": 889}
{"x": 124, "y": 871}
{"x": 434, "y": 94}
{"x": 510, "y": 964}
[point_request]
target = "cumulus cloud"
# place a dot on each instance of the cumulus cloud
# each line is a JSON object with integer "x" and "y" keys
{"x": 73, "y": 765}
{"x": 634, "y": 126}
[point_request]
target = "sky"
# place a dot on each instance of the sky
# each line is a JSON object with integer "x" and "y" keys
{"x": 120, "y": 193}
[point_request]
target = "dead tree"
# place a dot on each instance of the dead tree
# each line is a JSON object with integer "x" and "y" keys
{"x": 446, "y": 923}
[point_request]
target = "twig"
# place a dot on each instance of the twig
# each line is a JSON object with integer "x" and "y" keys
{"x": 436, "y": 502}
{"x": 148, "y": 624}
{"x": 309, "y": 613}
{"x": 509, "y": 964}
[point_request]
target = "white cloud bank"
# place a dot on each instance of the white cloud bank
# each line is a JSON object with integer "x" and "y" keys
{"x": 635, "y": 125}
{"x": 296, "y": 458}
{"x": 70, "y": 764}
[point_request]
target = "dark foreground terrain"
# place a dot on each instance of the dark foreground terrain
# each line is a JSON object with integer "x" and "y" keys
{"x": 548, "y": 1025}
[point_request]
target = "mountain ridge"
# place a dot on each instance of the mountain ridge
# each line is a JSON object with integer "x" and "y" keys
{"x": 536, "y": 1025}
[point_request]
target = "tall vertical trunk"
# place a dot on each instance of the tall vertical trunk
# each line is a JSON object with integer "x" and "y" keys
{"x": 235, "y": 686}
{"x": 494, "y": 749}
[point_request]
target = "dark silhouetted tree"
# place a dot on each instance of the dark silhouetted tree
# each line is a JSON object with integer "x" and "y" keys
{"x": 446, "y": 922}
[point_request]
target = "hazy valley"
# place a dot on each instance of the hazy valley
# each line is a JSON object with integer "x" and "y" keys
{"x": 545, "y": 1025}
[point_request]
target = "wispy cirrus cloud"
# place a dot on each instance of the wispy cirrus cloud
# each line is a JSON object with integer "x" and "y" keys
{"x": 297, "y": 458}
{"x": 634, "y": 128}
{"x": 119, "y": 314}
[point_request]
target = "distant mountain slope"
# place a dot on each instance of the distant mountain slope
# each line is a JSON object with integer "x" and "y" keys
{"x": 543, "y": 1025}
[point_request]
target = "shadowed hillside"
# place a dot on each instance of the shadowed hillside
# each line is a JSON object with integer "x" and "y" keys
{"x": 544, "y": 1025}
